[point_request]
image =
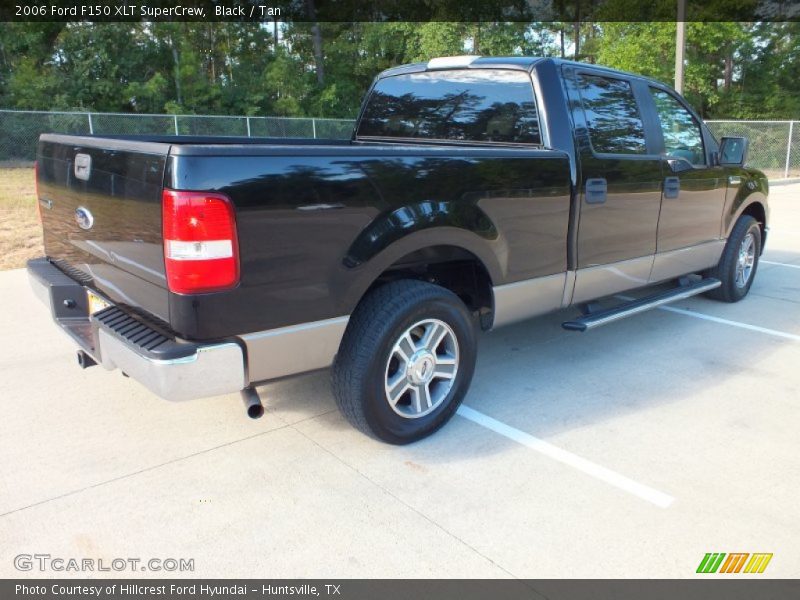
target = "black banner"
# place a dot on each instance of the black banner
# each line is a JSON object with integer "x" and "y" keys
{"x": 399, "y": 589}
{"x": 397, "y": 10}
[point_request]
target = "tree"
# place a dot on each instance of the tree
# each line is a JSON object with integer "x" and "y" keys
{"x": 712, "y": 53}
{"x": 735, "y": 70}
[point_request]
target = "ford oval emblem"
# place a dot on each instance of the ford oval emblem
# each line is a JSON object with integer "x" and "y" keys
{"x": 84, "y": 217}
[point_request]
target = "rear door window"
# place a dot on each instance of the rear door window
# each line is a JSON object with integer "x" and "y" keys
{"x": 612, "y": 115}
{"x": 478, "y": 105}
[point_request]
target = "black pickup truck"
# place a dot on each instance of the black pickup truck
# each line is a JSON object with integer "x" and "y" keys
{"x": 474, "y": 193}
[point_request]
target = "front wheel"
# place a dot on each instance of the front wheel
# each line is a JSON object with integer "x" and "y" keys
{"x": 405, "y": 362}
{"x": 737, "y": 265}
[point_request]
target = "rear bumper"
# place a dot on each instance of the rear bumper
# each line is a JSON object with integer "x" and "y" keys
{"x": 171, "y": 368}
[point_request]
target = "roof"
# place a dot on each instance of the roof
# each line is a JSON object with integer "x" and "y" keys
{"x": 518, "y": 63}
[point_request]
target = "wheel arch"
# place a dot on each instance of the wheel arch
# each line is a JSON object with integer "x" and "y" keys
{"x": 754, "y": 205}
{"x": 750, "y": 198}
{"x": 454, "y": 258}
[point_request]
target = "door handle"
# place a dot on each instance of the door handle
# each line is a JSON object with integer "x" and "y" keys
{"x": 596, "y": 190}
{"x": 672, "y": 187}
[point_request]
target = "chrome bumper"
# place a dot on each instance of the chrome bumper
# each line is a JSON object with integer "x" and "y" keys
{"x": 177, "y": 370}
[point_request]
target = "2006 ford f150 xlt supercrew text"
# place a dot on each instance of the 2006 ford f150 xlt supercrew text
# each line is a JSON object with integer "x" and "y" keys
{"x": 474, "y": 193}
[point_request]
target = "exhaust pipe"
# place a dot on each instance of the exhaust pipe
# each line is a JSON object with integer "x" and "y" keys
{"x": 252, "y": 403}
{"x": 84, "y": 360}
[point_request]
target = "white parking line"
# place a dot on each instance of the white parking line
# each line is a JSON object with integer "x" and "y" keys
{"x": 780, "y": 264}
{"x": 642, "y": 491}
{"x": 704, "y": 317}
{"x": 775, "y": 332}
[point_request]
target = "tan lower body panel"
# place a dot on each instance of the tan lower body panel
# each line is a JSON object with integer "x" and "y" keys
{"x": 604, "y": 280}
{"x": 524, "y": 299}
{"x": 294, "y": 349}
{"x": 668, "y": 265}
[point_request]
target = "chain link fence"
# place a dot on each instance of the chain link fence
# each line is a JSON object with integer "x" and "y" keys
{"x": 20, "y": 130}
{"x": 774, "y": 145}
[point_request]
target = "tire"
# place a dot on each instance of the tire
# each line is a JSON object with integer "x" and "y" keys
{"x": 739, "y": 261}
{"x": 387, "y": 352}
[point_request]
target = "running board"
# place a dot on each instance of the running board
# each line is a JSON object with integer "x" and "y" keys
{"x": 634, "y": 307}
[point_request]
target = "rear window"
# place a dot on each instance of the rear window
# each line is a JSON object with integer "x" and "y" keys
{"x": 460, "y": 105}
{"x": 612, "y": 115}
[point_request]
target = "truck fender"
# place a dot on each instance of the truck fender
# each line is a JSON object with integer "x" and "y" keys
{"x": 392, "y": 226}
{"x": 386, "y": 241}
{"x": 750, "y": 201}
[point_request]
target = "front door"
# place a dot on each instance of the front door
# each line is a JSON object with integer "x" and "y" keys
{"x": 693, "y": 192}
{"x": 620, "y": 184}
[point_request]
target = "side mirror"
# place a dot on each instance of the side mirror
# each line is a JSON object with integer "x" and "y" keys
{"x": 733, "y": 151}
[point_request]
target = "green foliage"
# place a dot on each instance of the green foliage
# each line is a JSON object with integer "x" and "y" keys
{"x": 644, "y": 48}
{"x": 736, "y": 70}
{"x": 763, "y": 60}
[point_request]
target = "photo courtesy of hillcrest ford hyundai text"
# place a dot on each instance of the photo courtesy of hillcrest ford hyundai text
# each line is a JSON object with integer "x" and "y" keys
{"x": 475, "y": 192}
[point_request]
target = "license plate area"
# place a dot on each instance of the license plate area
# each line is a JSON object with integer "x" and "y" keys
{"x": 95, "y": 303}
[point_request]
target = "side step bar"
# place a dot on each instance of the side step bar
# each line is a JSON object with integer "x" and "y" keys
{"x": 635, "y": 307}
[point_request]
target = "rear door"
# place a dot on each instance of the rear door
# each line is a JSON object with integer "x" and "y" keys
{"x": 619, "y": 183}
{"x": 693, "y": 190}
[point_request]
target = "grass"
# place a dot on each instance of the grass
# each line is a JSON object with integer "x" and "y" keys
{"x": 20, "y": 231}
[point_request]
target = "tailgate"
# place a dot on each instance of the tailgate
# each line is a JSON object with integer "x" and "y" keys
{"x": 100, "y": 202}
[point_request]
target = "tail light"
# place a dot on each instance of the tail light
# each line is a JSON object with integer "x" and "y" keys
{"x": 201, "y": 251}
{"x": 36, "y": 188}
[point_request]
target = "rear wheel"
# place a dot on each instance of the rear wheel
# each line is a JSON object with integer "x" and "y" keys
{"x": 737, "y": 266}
{"x": 406, "y": 361}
